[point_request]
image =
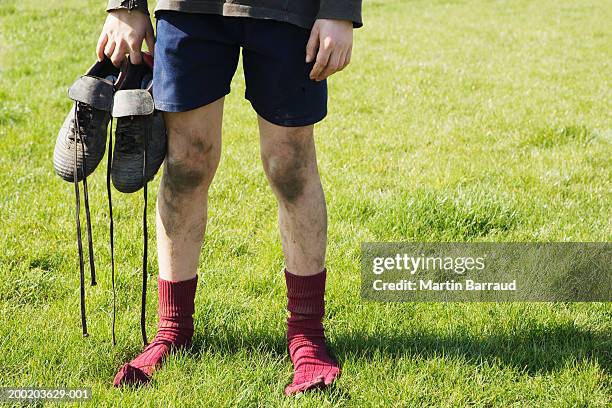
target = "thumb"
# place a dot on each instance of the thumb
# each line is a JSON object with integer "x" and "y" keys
{"x": 313, "y": 44}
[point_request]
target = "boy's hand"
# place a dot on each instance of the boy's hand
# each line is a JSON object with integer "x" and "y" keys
{"x": 123, "y": 33}
{"x": 330, "y": 44}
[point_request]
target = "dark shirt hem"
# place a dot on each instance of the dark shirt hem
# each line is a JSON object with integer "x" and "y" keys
{"x": 234, "y": 10}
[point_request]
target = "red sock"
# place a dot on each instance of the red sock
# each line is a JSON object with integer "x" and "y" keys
{"x": 175, "y": 329}
{"x": 312, "y": 365}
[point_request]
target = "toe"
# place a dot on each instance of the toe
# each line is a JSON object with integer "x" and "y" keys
{"x": 332, "y": 376}
{"x": 129, "y": 374}
{"x": 309, "y": 385}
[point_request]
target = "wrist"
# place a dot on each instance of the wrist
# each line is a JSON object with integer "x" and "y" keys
{"x": 128, "y": 5}
{"x": 119, "y": 11}
{"x": 335, "y": 22}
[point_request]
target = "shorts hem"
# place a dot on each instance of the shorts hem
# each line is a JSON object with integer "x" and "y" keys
{"x": 184, "y": 107}
{"x": 291, "y": 122}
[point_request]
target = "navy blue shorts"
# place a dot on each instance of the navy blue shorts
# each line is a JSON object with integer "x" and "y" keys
{"x": 196, "y": 56}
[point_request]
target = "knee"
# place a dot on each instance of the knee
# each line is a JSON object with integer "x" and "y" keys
{"x": 288, "y": 166}
{"x": 191, "y": 163}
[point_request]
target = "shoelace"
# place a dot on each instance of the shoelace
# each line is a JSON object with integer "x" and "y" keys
{"x": 123, "y": 141}
{"x": 143, "y": 306}
{"x": 126, "y": 142}
{"x": 80, "y": 138}
{"x": 78, "y": 124}
{"x": 111, "y": 224}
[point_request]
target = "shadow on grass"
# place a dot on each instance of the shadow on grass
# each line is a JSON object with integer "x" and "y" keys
{"x": 534, "y": 351}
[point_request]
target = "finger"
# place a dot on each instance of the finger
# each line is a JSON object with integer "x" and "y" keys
{"x": 150, "y": 40}
{"x": 118, "y": 55}
{"x": 348, "y": 57}
{"x": 322, "y": 60}
{"x": 341, "y": 61}
{"x": 135, "y": 53}
{"x": 109, "y": 48}
{"x": 101, "y": 46}
{"x": 312, "y": 45}
{"x": 332, "y": 66}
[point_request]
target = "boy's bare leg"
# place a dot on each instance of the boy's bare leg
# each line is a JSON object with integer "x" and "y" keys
{"x": 290, "y": 163}
{"x": 194, "y": 150}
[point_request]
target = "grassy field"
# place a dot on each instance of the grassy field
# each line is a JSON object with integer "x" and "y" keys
{"x": 458, "y": 120}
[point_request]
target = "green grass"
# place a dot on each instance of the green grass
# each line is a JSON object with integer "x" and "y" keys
{"x": 457, "y": 120}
